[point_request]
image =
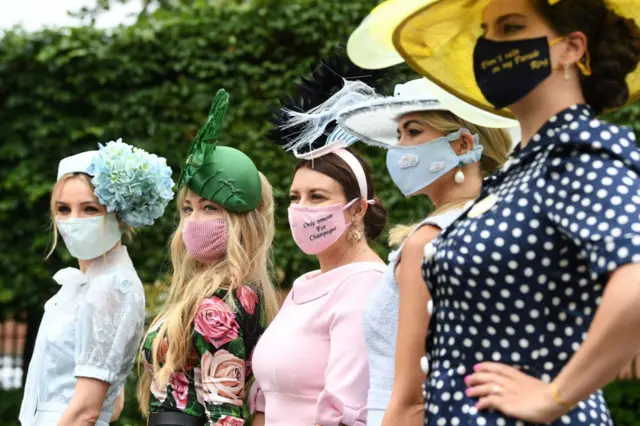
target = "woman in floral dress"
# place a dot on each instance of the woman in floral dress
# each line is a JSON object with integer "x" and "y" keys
{"x": 197, "y": 352}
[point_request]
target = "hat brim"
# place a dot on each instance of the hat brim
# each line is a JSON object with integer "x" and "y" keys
{"x": 370, "y": 46}
{"x": 376, "y": 123}
{"x": 437, "y": 39}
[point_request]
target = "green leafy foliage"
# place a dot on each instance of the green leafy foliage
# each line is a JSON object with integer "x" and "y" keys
{"x": 63, "y": 91}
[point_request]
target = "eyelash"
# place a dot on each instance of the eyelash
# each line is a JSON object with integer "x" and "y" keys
{"x": 187, "y": 210}
{"x": 512, "y": 28}
{"x": 294, "y": 198}
{"x": 411, "y": 132}
{"x": 67, "y": 210}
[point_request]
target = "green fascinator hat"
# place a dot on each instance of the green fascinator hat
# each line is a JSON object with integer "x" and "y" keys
{"x": 221, "y": 174}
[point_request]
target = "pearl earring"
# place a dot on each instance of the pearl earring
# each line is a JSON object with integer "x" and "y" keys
{"x": 566, "y": 71}
{"x": 459, "y": 176}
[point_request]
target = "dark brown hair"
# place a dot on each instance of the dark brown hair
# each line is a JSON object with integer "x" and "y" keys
{"x": 613, "y": 43}
{"x": 331, "y": 165}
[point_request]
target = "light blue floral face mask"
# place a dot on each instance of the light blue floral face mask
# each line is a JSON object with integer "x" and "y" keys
{"x": 413, "y": 168}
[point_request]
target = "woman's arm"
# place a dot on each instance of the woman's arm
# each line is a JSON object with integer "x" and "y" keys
{"x": 86, "y": 403}
{"x": 407, "y": 405}
{"x": 612, "y": 341}
{"x": 613, "y": 338}
{"x": 632, "y": 370}
{"x": 118, "y": 407}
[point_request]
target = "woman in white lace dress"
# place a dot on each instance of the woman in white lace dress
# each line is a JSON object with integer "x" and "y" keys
{"x": 92, "y": 327}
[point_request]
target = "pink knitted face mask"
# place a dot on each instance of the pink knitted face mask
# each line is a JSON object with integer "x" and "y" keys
{"x": 205, "y": 240}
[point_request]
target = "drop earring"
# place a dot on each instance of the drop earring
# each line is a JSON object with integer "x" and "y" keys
{"x": 354, "y": 235}
{"x": 459, "y": 176}
{"x": 566, "y": 71}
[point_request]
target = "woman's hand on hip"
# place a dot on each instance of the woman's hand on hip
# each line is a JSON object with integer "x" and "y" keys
{"x": 508, "y": 390}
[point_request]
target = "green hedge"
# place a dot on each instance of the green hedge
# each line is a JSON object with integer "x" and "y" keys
{"x": 63, "y": 91}
{"x": 151, "y": 84}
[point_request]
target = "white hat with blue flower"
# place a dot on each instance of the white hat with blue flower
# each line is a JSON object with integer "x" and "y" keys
{"x": 128, "y": 181}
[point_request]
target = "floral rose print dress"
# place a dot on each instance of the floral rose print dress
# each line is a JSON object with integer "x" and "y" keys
{"x": 213, "y": 383}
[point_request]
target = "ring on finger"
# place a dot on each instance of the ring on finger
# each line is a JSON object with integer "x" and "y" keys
{"x": 496, "y": 389}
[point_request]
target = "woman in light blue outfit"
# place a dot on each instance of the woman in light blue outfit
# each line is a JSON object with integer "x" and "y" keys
{"x": 92, "y": 327}
{"x": 440, "y": 147}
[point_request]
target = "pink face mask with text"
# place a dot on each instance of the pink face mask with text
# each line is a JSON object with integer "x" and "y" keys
{"x": 315, "y": 229}
{"x": 206, "y": 240}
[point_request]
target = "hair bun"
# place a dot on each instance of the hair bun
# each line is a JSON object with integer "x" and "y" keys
{"x": 375, "y": 219}
{"x": 615, "y": 52}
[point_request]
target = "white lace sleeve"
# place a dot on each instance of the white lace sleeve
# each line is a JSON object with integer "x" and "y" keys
{"x": 110, "y": 327}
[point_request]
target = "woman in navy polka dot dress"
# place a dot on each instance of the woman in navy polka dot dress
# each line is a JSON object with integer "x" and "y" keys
{"x": 536, "y": 288}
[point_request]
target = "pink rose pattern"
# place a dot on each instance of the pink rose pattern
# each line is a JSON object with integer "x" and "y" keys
{"x": 156, "y": 391}
{"x": 213, "y": 383}
{"x": 179, "y": 389}
{"x": 248, "y": 298}
{"x": 216, "y": 322}
{"x": 223, "y": 378}
{"x": 230, "y": 421}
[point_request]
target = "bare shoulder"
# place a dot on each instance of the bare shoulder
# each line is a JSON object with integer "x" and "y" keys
{"x": 418, "y": 239}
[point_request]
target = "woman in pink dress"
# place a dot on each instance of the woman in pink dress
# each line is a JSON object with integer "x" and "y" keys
{"x": 311, "y": 364}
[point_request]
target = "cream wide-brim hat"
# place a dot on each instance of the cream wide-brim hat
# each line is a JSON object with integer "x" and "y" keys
{"x": 437, "y": 39}
{"x": 375, "y": 122}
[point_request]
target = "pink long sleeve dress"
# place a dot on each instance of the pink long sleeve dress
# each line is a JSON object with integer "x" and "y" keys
{"x": 311, "y": 364}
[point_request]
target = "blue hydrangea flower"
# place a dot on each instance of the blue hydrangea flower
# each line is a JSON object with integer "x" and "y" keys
{"x": 131, "y": 182}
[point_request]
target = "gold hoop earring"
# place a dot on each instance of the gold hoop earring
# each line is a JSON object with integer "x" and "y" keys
{"x": 354, "y": 235}
{"x": 566, "y": 72}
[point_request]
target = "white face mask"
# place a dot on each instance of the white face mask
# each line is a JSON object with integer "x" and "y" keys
{"x": 89, "y": 238}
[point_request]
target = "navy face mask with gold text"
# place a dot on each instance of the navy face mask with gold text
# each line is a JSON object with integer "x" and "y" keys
{"x": 507, "y": 71}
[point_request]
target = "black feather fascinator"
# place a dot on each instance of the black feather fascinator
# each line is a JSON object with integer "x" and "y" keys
{"x": 305, "y": 120}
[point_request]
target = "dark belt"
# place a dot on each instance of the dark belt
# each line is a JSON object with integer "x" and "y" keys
{"x": 174, "y": 418}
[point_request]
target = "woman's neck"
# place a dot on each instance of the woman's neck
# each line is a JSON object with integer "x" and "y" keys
{"x": 84, "y": 264}
{"x": 345, "y": 253}
{"x": 547, "y": 100}
{"x": 453, "y": 193}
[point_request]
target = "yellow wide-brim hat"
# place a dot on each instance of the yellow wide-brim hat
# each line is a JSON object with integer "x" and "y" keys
{"x": 437, "y": 39}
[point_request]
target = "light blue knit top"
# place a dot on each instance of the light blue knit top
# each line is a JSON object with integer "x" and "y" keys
{"x": 380, "y": 324}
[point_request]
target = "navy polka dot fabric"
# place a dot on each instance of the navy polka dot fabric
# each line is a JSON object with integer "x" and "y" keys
{"x": 518, "y": 278}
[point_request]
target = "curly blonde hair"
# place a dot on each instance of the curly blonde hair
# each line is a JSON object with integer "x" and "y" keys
{"x": 247, "y": 261}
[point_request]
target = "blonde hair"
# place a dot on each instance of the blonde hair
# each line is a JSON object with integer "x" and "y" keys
{"x": 54, "y": 199}
{"x": 247, "y": 261}
{"x": 496, "y": 145}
